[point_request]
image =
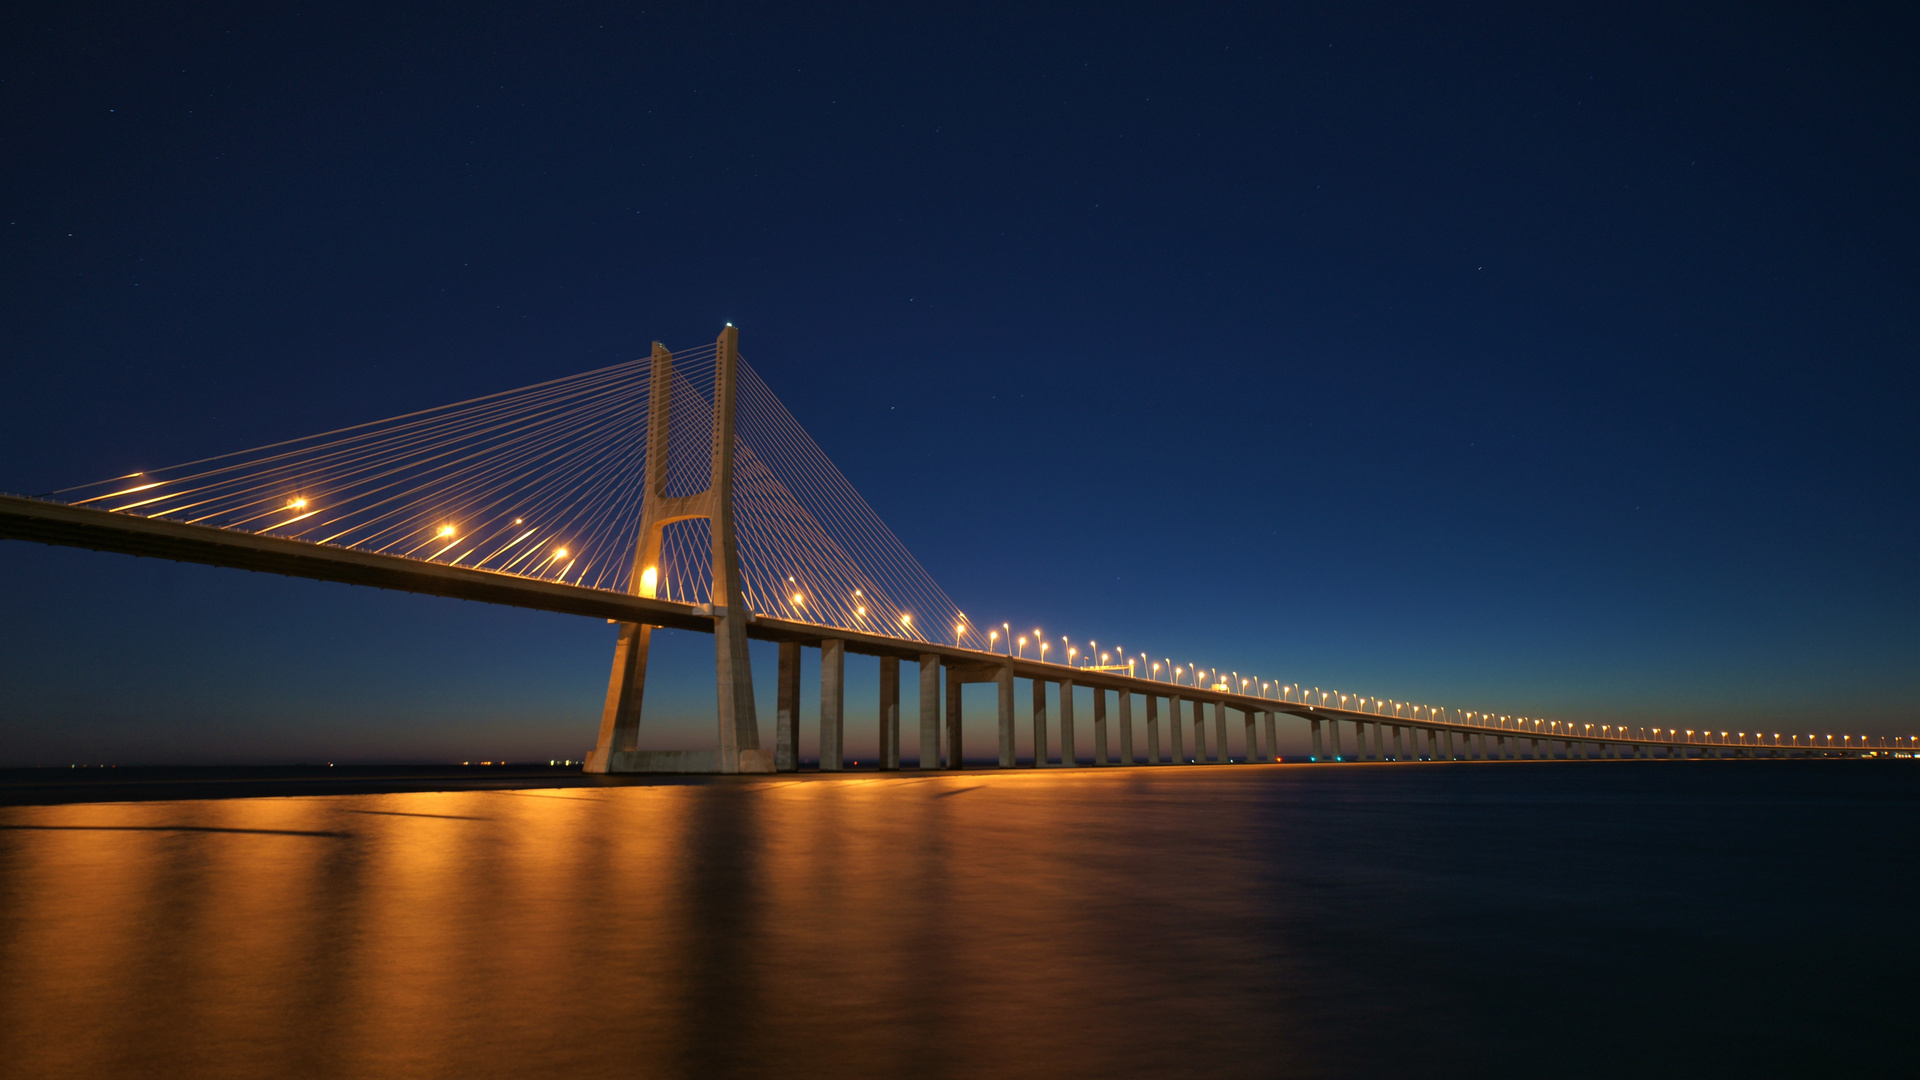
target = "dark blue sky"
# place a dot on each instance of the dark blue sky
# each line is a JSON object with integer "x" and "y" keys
{"x": 1554, "y": 362}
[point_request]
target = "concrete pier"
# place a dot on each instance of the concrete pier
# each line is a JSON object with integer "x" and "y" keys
{"x": 833, "y": 705}
{"x": 889, "y": 712}
{"x": 1398, "y": 753}
{"x": 1253, "y": 736}
{"x": 1199, "y": 733}
{"x": 1220, "y": 732}
{"x": 626, "y": 689}
{"x": 1433, "y": 745}
{"x": 955, "y": 748}
{"x": 1124, "y": 716}
{"x": 1068, "y": 744}
{"x": 930, "y": 711}
{"x": 1273, "y": 738}
{"x": 1039, "y": 723}
{"x": 1314, "y": 725}
{"x": 1480, "y": 743}
{"x": 786, "y": 722}
{"x": 1333, "y": 728}
{"x": 1447, "y": 739}
{"x": 1173, "y": 728}
{"x": 1004, "y": 684}
{"x": 1153, "y": 729}
{"x": 1099, "y": 726}
{"x": 1379, "y": 750}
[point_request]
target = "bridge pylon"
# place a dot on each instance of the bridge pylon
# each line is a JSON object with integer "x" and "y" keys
{"x": 739, "y": 727}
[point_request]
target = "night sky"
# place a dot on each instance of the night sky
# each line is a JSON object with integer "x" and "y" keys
{"x": 1551, "y": 362}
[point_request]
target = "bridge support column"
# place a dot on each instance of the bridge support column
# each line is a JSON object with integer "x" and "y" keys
{"x": 1253, "y": 735}
{"x": 1099, "y": 725}
{"x": 1124, "y": 716}
{"x": 786, "y": 718}
{"x": 1398, "y": 753}
{"x": 1153, "y": 729}
{"x": 1220, "y": 732}
{"x": 930, "y": 711}
{"x": 1004, "y": 683}
{"x": 889, "y": 712}
{"x": 1379, "y": 748}
{"x": 955, "y": 752}
{"x": 620, "y": 715}
{"x": 1273, "y": 737}
{"x": 1333, "y": 728}
{"x": 833, "y": 705}
{"x": 1433, "y": 745}
{"x": 1450, "y": 754}
{"x": 1313, "y": 725}
{"x": 1199, "y": 733}
{"x": 1068, "y": 743}
{"x": 1174, "y": 729}
{"x": 1039, "y": 723}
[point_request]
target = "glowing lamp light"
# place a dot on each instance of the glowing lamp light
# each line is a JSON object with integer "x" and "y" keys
{"x": 907, "y": 619}
{"x": 649, "y": 578}
{"x": 446, "y": 530}
{"x": 560, "y": 553}
{"x": 296, "y": 503}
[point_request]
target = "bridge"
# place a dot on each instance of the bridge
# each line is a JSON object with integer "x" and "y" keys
{"x": 676, "y": 491}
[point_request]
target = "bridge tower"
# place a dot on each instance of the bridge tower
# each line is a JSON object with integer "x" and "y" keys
{"x": 739, "y": 749}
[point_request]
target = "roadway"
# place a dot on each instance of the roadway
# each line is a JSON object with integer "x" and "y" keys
{"x": 48, "y": 522}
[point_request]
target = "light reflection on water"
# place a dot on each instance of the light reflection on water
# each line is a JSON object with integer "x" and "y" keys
{"x": 1225, "y": 921}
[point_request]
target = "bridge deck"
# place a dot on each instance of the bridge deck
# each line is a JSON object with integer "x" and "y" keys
{"x": 102, "y": 530}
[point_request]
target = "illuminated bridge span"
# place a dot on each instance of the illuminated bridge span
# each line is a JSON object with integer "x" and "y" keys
{"x": 676, "y": 491}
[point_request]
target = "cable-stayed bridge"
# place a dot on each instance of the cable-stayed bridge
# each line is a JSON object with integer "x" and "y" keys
{"x": 677, "y": 491}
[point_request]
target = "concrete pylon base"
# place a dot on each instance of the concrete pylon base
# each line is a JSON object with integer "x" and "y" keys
{"x": 676, "y": 761}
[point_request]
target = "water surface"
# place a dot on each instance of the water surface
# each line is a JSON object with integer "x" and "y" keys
{"x": 1509, "y": 919}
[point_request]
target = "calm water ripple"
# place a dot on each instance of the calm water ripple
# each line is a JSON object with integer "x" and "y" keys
{"x": 1570, "y": 919}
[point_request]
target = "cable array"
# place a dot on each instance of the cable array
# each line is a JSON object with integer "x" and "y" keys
{"x": 547, "y": 482}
